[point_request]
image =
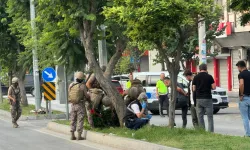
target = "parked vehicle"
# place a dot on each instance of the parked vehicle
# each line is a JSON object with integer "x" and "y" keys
{"x": 118, "y": 86}
{"x": 149, "y": 79}
{"x": 123, "y": 79}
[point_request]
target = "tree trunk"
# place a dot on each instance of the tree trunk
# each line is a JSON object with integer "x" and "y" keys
{"x": 21, "y": 77}
{"x": 10, "y": 78}
{"x": 87, "y": 34}
{"x": 163, "y": 65}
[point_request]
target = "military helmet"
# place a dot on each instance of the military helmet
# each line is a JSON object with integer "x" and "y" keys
{"x": 14, "y": 80}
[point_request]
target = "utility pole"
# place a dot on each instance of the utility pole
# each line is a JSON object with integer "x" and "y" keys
{"x": 102, "y": 48}
{"x": 202, "y": 42}
{"x": 35, "y": 59}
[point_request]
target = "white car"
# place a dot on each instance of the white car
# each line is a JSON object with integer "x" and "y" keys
{"x": 149, "y": 79}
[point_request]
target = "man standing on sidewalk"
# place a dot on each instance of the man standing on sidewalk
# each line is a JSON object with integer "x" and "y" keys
{"x": 162, "y": 94}
{"x": 244, "y": 93}
{"x": 203, "y": 83}
{"x": 192, "y": 97}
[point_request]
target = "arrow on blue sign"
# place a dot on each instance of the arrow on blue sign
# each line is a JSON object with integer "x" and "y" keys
{"x": 49, "y": 74}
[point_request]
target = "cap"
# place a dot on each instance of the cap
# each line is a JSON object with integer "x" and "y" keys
{"x": 15, "y": 80}
{"x": 142, "y": 96}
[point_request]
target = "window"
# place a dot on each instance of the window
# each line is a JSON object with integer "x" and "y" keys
{"x": 152, "y": 80}
{"x": 116, "y": 78}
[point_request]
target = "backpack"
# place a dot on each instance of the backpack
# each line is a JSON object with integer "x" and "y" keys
{"x": 75, "y": 93}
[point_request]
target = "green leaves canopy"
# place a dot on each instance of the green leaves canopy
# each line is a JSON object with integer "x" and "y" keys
{"x": 242, "y": 6}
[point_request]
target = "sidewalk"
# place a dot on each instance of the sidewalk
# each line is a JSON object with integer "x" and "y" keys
{"x": 55, "y": 104}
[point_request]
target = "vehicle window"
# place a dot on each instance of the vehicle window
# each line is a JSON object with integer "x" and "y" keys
{"x": 125, "y": 78}
{"x": 116, "y": 83}
{"x": 116, "y": 78}
{"x": 152, "y": 80}
{"x": 142, "y": 78}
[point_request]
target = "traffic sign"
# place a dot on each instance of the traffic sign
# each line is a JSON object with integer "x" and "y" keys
{"x": 49, "y": 91}
{"x": 49, "y": 74}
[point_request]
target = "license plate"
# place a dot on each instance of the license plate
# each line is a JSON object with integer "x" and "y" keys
{"x": 224, "y": 99}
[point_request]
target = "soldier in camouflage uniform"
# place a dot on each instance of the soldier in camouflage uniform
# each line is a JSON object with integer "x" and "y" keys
{"x": 78, "y": 110}
{"x": 14, "y": 96}
{"x": 96, "y": 92}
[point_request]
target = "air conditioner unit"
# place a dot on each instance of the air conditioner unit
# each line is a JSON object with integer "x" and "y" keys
{"x": 242, "y": 53}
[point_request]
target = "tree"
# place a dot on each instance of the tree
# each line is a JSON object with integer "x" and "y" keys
{"x": 68, "y": 30}
{"x": 167, "y": 25}
{"x": 10, "y": 49}
{"x": 242, "y": 6}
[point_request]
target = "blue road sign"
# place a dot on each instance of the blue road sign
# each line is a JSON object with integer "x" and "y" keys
{"x": 49, "y": 74}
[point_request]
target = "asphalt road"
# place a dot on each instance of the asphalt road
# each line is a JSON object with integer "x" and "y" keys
{"x": 33, "y": 136}
{"x": 227, "y": 121}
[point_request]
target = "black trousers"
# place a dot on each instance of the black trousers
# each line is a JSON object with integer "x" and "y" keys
{"x": 163, "y": 99}
{"x": 184, "y": 110}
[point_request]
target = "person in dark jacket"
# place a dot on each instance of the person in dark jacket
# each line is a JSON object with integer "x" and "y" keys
{"x": 181, "y": 100}
{"x": 135, "y": 117}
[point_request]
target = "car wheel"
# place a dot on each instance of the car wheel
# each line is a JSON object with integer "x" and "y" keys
{"x": 32, "y": 92}
{"x": 216, "y": 110}
{"x": 155, "y": 112}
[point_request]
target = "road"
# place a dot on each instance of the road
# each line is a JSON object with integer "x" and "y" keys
{"x": 33, "y": 136}
{"x": 227, "y": 121}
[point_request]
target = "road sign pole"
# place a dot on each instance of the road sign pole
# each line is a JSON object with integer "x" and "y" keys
{"x": 66, "y": 92}
{"x": 50, "y": 110}
{"x": 35, "y": 60}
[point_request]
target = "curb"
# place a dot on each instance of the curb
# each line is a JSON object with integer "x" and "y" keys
{"x": 110, "y": 140}
{"x": 40, "y": 117}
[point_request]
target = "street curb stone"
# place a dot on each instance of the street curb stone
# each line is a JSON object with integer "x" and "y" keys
{"x": 41, "y": 117}
{"x": 110, "y": 140}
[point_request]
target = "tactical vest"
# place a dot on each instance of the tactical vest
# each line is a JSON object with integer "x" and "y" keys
{"x": 129, "y": 111}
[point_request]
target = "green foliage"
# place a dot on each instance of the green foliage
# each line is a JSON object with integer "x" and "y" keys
{"x": 124, "y": 66}
{"x": 242, "y": 6}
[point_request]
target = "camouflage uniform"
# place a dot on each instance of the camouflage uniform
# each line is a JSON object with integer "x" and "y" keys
{"x": 77, "y": 112}
{"x": 16, "y": 109}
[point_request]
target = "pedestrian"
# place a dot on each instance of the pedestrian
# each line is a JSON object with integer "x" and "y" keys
{"x": 203, "y": 84}
{"x": 128, "y": 84}
{"x": 191, "y": 98}
{"x": 244, "y": 95}
{"x": 77, "y": 96}
{"x": 14, "y": 96}
{"x": 162, "y": 94}
{"x": 181, "y": 100}
{"x": 135, "y": 117}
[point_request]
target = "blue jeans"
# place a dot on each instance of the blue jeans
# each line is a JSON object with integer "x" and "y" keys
{"x": 244, "y": 107}
{"x": 136, "y": 123}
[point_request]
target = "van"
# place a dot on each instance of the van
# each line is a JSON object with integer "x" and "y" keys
{"x": 149, "y": 79}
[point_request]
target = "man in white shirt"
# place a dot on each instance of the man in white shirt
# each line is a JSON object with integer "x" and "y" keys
{"x": 192, "y": 98}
